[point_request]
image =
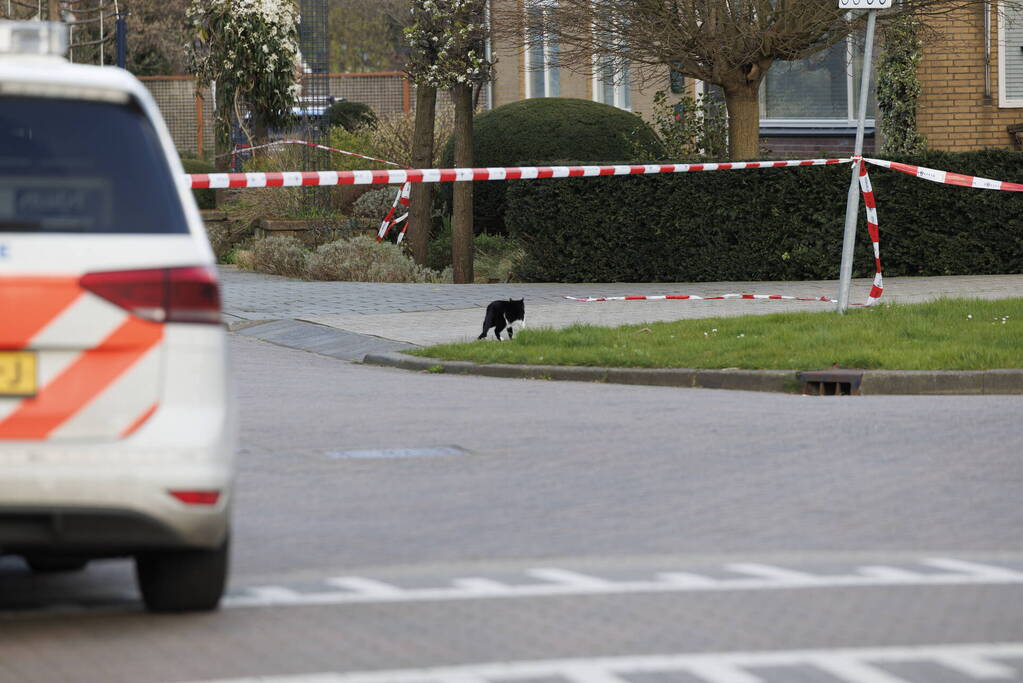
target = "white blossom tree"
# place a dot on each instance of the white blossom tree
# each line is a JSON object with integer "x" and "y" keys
{"x": 447, "y": 39}
{"x": 247, "y": 50}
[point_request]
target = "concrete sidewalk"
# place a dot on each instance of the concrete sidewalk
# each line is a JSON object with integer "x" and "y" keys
{"x": 381, "y": 317}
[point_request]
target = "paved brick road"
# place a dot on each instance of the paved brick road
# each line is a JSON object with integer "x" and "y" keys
{"x": 430, "y": 314}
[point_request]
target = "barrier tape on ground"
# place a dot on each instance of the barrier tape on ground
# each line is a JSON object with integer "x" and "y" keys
{"x": 947, "y": 177}
{"x": 694, "y": 297}
{"x": 444, "y": 175}
{"x": 876, "y": 289}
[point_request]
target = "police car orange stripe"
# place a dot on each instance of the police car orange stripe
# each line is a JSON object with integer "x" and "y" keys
{"x": 28, "y": 304}
{"x": 139, "y": 421}
{"x": 93, "y": 371}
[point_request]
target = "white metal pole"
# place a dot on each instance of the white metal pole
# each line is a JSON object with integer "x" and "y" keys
{"x": 852, "y": 206}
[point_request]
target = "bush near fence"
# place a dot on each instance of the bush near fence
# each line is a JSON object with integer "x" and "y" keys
{"x": 776, "y": 224}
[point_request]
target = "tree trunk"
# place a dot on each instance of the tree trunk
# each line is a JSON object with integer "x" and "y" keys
{"x": 743, "y": 103}
{"x": 461, "y": 211}
{"x": 421, "y": 200}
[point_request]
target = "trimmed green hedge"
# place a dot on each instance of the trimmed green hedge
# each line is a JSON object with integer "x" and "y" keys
{"x": 206, "y": 198}
{"x": 539, "y": 130}
{"x": 777, "y": 224}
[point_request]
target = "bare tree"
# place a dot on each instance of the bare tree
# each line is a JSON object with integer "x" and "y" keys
{"x": 447, "y": 39}
{"x": 730, "y": 43}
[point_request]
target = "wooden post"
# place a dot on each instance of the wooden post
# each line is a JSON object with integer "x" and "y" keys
{"x": 406, "y": 96}
{"x": 199, "y": 127}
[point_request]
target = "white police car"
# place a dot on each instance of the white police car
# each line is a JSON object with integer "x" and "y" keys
{"x": 116, "y": 437}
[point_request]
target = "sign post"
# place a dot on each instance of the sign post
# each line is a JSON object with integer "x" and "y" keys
{"x": 853, "y": 202}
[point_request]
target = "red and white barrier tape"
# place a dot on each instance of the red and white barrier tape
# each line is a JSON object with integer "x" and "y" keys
{"x": 444, "y": 175}
{"x": 876, "y": 289}
{"x": 947, "y": 177}
{"x": 389, "y": 220}
{"x": 694, "y": 297}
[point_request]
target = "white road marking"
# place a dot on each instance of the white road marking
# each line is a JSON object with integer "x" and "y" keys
{"x": 976, "y": 667}
{"x": 481, "y": 585}
{"x": 567, "y": 578}
{"x": 767, "y": 571}
{"x": 854, "y": 670}
{"x": 851, "y": 665}
{"x": 893, "y": 574}
{"x": 366, "y": 587}
{"x": 560, "y": 582}
{"x": 686, "y": 579}
{"x": 975, "y": 568}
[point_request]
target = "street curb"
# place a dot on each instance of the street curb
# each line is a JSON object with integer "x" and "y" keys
{"x": 874, "y": 382}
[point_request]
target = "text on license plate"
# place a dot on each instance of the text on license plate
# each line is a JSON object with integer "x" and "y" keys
{"x": 17, "y": 373}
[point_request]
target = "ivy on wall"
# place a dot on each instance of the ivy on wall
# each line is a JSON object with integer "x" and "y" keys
{"x": 898, "y": 87}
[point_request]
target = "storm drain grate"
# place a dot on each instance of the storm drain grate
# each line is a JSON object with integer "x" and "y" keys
{"x": 836, "y": 382}
{"x": 396, "y": 453}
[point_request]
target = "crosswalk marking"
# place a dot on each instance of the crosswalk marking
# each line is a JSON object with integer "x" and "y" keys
{"x": 549, "y": 582}
{"x": 848, "y": 665}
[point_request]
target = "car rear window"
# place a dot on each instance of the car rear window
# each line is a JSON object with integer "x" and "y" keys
{"x": 72, "y": 166}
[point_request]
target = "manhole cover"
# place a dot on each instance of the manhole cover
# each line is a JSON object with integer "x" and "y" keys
{"x": 391, "y": 453}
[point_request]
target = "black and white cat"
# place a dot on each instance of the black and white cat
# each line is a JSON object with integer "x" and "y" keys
{"x": 503, "y": 313}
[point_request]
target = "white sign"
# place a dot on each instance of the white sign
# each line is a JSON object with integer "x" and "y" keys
{"x": 864, "y": 4}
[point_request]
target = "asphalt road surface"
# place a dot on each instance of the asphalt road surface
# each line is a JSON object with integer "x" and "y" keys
{"x": 425, "y": 528}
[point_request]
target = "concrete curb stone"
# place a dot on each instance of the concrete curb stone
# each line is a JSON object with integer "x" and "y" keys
{"x": 874, "y": 382}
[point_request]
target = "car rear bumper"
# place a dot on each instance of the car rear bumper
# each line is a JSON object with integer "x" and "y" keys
{"x": 111, "y": 510}
{"x": 98, "y": 532}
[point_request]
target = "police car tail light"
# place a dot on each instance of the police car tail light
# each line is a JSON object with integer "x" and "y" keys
{"x": 165, "y": 295}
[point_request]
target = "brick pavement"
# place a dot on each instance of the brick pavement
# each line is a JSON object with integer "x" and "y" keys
{"x": 437, "y": 313}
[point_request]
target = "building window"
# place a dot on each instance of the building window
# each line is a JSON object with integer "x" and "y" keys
{"x": 543, "y": 78}
{"x": 820, "y": 90}
{"x": 1010, "y": 56}
{"x": 611, "y": 82}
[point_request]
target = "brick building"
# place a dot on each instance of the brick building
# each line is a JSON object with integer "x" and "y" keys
{"x": 807, "y": 107}
{"x": 972, "y": 88}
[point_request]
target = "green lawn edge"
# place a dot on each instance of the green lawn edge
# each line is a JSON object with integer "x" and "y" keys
{"x": 945, "y": 334}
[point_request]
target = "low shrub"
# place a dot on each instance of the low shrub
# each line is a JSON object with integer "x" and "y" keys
{"x": 375, "y": 203}
{"x": 284, "y": 256}
{"x": 285, "y": 202}
{"x": 495, "y": 257}
{"x": 779, "y": 224}
{"x": 363, "y": 259}
{"x": 205, "y": 198}
{"x": 390, "y": 138}
{"x": 350, "y": 115}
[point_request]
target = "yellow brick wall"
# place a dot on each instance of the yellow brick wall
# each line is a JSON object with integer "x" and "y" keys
{"x": 953, "y": 112}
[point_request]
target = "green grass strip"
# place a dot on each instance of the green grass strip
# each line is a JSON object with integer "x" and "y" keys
{"x": 947, "y": 334}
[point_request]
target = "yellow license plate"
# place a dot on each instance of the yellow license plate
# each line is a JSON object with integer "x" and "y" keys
{"x": 17, "y": 373}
